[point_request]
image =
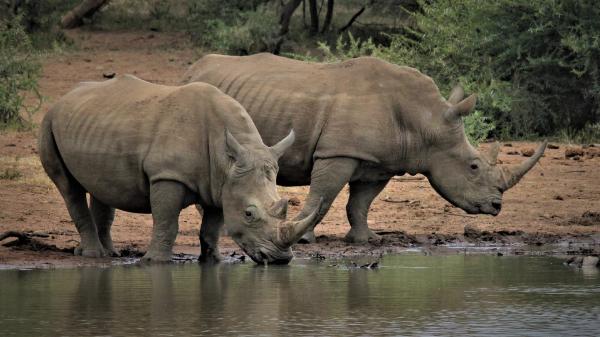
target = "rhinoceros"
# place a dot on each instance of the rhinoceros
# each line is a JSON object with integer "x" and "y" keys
{"x": 148, "y": 148}
{"x": 361, "y": 122}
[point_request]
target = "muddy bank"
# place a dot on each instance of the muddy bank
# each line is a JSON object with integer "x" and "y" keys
{"x": 38, "y": 251}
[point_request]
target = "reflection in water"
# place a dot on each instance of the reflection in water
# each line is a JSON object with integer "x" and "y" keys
{"x": 409, "y": 295}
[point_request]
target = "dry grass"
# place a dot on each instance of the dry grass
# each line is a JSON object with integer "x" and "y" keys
{"x": 27, "y": 170}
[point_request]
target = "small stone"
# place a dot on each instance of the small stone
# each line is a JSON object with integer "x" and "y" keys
{"x": 573, "y": 151}
{"x": 553, "y": 146}
{"x": 558, "y": 197}
{"x": 590, "y": 261}
{"x": 508, "y": 144}
{"x": 512, "y": 153}
{"x": 294, "y": 201}
{"x": 110, "y": 74}
{"x": 527, "y": 152}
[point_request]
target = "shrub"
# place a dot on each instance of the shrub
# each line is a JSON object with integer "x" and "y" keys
{"x": 233, "y": 27}
{"x": 534, "y": 65}
{"x": 19, "y": 71}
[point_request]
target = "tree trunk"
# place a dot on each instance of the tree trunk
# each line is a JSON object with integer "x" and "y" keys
{"x": 352, "y": 19}
{"x": 284, "y": 22}
{"x": 286, "y": 16}
{"x": 328, "y": 16}
{"x": 74, "y": 18}
{"x": 314, "y": 17}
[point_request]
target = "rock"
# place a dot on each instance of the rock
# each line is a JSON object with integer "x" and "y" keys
{"x": 512, "y": 153}
{"x": 109, "y": 74}
{"x": 553, "y": 146}
{"x": 592, "y": 152}
{"x": 471, "y": 232}
{"x": 583, "y": 261}
{"x": 508, "y": 144}
{"x": 558, "y": 197}
{"x": 590, "y": 261}
{"x": 294, "y": 201}
{"x": 527, "y": 152}
{"x": 573, "y": 151}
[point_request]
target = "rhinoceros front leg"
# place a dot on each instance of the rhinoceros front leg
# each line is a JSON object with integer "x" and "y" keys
{"x": 212, "y": 222}
{"x": 103, "y": 216}
{"x": 361, "y": 196}
{"x": 328, "y": 177}
{"x": 166, "y": 200}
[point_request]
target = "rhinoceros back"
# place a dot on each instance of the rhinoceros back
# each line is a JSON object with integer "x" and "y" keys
{"x": 116, "y": 136}
{"x": 357, "y": 108}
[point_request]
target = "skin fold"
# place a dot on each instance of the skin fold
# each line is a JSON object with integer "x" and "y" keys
{"x": 361, "y": 122}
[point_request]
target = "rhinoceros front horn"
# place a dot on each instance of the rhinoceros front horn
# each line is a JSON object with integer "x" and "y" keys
{"x": 511, "y": 176}
{"x": 284, "y": 144}
{"x": 291, "y": 231}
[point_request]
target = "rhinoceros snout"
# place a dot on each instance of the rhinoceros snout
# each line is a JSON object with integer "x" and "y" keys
{"x": 265, "y": 257}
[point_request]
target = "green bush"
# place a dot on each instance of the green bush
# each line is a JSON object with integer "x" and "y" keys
{"x": 19, "y": 71}
{"x": 533, "y": 64}
{"x": 234, "y": 27}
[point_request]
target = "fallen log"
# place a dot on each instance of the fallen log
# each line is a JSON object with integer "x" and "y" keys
{"x": 85, "y": 9}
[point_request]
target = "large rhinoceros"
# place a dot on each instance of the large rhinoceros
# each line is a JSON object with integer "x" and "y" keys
{"x": 361, "y": 122}
{"x": 148, "y": 148}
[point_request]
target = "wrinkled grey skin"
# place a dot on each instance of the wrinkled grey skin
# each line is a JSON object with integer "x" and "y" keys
{"x": 148, "y": 148}
{"x": 361, "y": 122}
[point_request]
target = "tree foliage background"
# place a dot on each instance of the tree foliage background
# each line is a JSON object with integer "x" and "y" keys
{"x": 534, "y": 64}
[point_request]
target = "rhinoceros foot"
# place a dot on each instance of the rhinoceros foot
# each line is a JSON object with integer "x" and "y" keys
{"x": 91, "y": 251}
{"x": 109, "y": 249}
{"x": 210, "y": 257}
{"x": 156, "y": 257}
{"x": 308, "y": 237}
{"x": 362, "y": 235}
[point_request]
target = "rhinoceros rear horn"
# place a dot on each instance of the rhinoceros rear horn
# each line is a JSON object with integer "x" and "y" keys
{"x": 511, "y": 176}
{"x": 284, "y": 144}
{"x": 456, "y": 95}
{"x": 233, "y": 148}
{"x": 291, "y": 231}
{"x": 493, "y": 153}
{"x": 461, "y": 108}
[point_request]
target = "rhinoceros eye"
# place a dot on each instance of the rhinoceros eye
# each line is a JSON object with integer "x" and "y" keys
{"x": 251, "y": 214}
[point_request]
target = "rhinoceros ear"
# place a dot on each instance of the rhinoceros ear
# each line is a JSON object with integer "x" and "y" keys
{"x": 234, "y": 149}
{"x": 461, "y": 109}
{"x": 284, "y": 144}
{"x": 456, "y": 95}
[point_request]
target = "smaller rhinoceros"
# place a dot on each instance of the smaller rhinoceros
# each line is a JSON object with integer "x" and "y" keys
{"x": 148, "y": 148}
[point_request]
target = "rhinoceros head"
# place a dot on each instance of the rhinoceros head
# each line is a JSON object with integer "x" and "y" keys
{"x": 462, "y": 175}
{"x": 253, "y": 212}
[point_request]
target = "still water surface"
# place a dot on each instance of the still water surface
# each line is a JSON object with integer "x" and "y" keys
{"x": 408, "y": 295}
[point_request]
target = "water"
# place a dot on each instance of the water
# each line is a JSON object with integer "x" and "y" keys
{"x": 409, "y": 295}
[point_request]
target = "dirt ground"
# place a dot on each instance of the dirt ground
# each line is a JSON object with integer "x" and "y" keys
{"x": 557, "y": 202}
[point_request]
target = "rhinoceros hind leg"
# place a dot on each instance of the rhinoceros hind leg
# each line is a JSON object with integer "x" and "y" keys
{"x": 212, "y": 222}
{"x": 361, "y": 196}
{"x": 72, "y": 192}
{"x": 103, "y": 216}
{"x": 166, "y": 199}
{"x": 328, "y": 177}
